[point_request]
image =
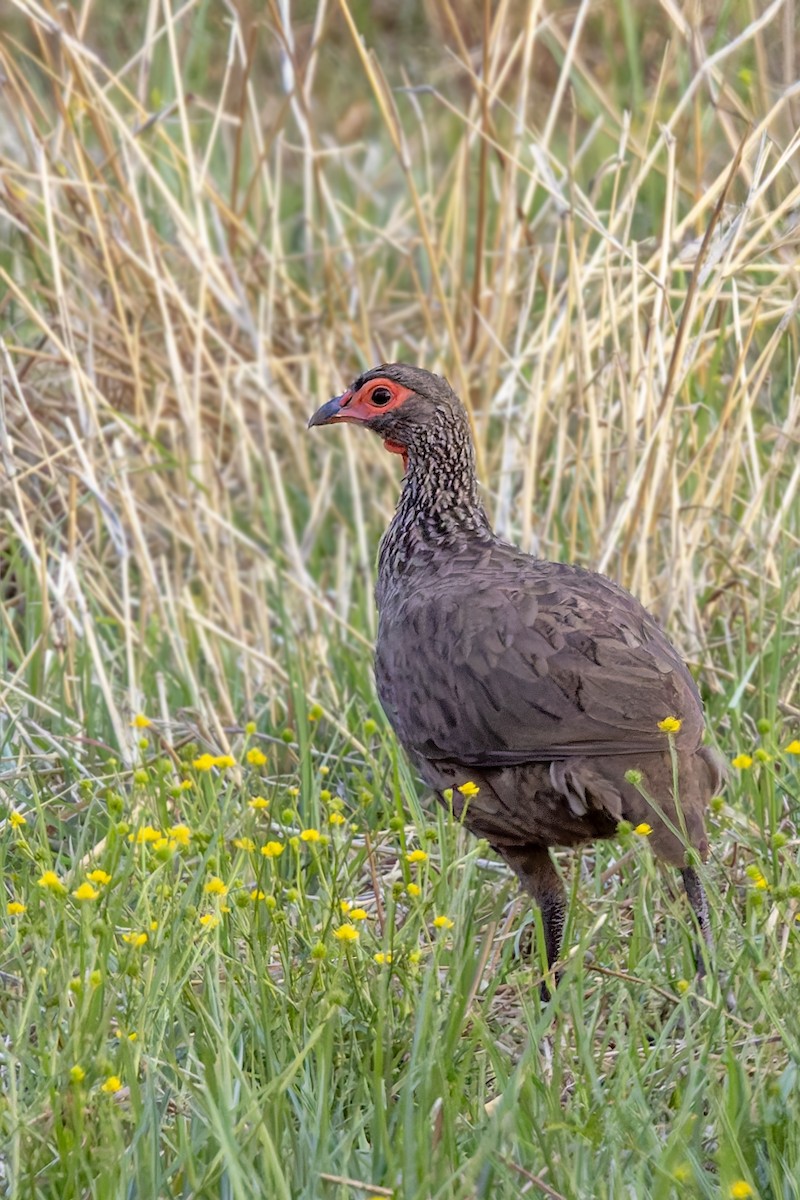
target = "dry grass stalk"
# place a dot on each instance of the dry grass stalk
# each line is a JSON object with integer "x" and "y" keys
{"x": 167, "y": 335}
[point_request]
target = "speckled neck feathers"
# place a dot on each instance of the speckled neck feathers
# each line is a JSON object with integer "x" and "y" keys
{"x": 440, "y": 506}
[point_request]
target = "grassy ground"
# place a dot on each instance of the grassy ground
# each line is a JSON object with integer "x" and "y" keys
{"x": 242, "y": 955}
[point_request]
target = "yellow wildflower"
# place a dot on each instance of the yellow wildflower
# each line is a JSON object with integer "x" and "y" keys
{"x": 185, "y": 785}
{"x": 468, "y": 789}
{"x": 257, "y": 894}
{"x": 50, "y": 881}
{"x": 683, "y": 986}
{"x": 443, "y": 923}
{"x": 742, "y": 762}
{"x": 310, "y": 835}
{"x": 381, "y": 958}
{"x": 257, "y": 802}
{"x": 272, "y": 849}
{"x": 204, "y": 763}
{"x": 135, "y": 939}
{"x": 643, "y": 829}
{"x": 244, "y": 843}
{"x": 414, "y": 956}
{"x": 180, "y": 834}
{"x": 85, "y": 892}
{"x": 336, "y": 818}
{"x": 793, "y": 747}
{"x": 345, "y": 906}
{"x": 215, "y": 887}
{"x": 77, "y": 1074}
{"x": 740, "y": 1190}
{"x": 209, "y": 920}
{"x": 140, "y": 721}
{"x": 346, "y": 933}
{"x": 224, "y": 760}
{"x": 293, "y": 792}
{"x": 146, "y": 834}
{"x": 111, "y": 1085}
{"x": 670, "y": 725}
{"x": 99, "y": 876}
{"x": 16, "y": 820}
{"x": 256, "y": 757}
{"x": 756, "y": 877}
{"x": 358, "y": 914}
{"x": 15, "y": 908}
{"x": 417, "y": 856}
{"x": 414, "y": 889}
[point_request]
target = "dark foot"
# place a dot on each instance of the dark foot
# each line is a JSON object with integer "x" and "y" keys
{"x": 538, "y": 876}
{"x": 696, "y": 895}
{"x": 544, "y": 988}
{"x": 524, "y": 948}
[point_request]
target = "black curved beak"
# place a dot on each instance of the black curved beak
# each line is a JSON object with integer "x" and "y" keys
{"x": 330, "y": 411}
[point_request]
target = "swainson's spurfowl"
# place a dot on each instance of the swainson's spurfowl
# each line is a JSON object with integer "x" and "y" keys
{"x": 539, "y": 682}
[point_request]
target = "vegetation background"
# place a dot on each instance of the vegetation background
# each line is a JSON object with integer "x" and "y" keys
{"x": 241, "y": 953}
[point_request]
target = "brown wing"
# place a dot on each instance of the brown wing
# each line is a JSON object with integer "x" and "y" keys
{"x": 510, "y": 660}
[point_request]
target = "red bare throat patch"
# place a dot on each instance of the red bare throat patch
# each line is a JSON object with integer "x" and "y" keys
{"x": 397, "y": 448}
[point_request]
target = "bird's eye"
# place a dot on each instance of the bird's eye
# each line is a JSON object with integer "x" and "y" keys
{"x": 380, "y": 397}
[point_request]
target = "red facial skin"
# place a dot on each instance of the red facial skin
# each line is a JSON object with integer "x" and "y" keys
{"x": 358, "y": 407}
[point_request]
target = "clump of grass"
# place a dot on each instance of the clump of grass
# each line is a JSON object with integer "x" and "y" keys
{"x": 199, "y": 243}
{"x": 202, "y": 988}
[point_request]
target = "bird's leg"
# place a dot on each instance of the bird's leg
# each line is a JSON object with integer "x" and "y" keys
{"x": 538, "y": 876}
{"x": 696, "y": 895}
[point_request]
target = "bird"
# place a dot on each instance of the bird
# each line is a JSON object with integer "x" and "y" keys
{"x": 536, "y": 698}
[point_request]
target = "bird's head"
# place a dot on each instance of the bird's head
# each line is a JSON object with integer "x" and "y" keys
{"x": 406, "y": 406}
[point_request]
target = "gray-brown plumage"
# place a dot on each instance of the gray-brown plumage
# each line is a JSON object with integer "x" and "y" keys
{"x": 540, "y": 682}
